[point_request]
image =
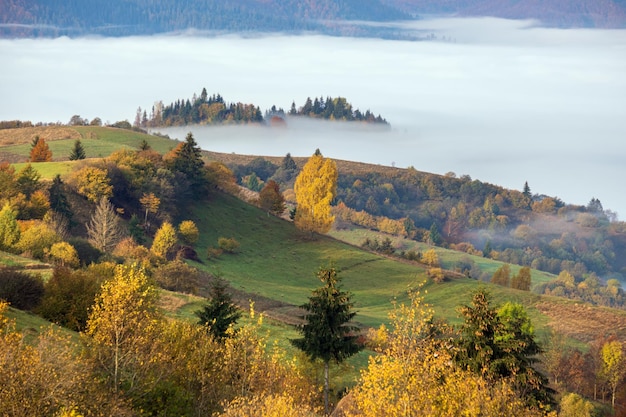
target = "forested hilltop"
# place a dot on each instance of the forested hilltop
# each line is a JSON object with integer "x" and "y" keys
{"x": 51, "y": 18}
{"x": 209, "y": 110}
{"x": 101, "y": 223}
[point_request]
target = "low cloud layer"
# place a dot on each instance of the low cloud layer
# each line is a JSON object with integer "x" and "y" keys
{"x": 502, "y": 101}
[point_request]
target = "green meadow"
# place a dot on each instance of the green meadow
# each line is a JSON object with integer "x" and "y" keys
{"x": 99, "y": 142}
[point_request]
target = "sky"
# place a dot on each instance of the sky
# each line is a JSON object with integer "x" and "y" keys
{"x": 502, "y": 101}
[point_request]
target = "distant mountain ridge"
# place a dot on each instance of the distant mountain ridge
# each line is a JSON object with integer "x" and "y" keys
{"x": 557, "y": 13}
{"x": 50, "y": 18}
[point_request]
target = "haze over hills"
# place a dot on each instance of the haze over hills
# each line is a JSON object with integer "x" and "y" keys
{"x": 39, "y": 18}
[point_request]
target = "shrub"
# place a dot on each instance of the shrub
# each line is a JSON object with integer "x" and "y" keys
{"x": 436, "y": 274}
{"x": 213, "y": 253}
{"x": 412, "y": 255}
{"x": 177, "y": 276}
{"x": 228, "y": 244}
{"x": 20, "y": 289}
{"x": 68, "y": 297}
{"x": 35, "y": 240}
{"x": 188, "y": 232}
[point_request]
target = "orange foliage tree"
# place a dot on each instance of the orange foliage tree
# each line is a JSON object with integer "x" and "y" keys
{"x": 40, "y": 152}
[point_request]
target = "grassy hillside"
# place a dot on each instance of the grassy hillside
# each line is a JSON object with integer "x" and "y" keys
{"x": 98, "y": 141}
{"x": 276, "y": 264}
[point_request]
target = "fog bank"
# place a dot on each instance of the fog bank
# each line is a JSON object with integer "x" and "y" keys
{"x": 502, "y": 101}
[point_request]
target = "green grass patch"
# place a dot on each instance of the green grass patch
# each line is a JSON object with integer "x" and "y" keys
{"x": 448, "y": 258}
{"x": 48, "y": 170}
{"x": 99, "y": 142}
{"x": 278, "y": 262}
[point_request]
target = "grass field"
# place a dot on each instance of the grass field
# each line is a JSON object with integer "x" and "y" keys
{"x": 278, "y": 262}
{"x": 98, "y": 141}
{"x": 448, "y": 258}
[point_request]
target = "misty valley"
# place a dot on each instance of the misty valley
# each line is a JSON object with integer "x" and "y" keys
{"x": 276, "y": 208}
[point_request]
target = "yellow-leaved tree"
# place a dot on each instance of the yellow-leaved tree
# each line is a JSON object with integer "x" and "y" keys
{"x": 120, "y": 325}
{"x": 414, "y": 374}
{"x": 315, "y": 188}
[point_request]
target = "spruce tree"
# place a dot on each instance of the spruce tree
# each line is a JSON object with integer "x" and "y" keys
{"x": 499, "y": 343}
{"x": 58, "y": 199}
{"x": 187, "y": 159}
{"x": 327, "y": 333}
{"x": 78, "y": 152}
{"x": 220, "y": 313}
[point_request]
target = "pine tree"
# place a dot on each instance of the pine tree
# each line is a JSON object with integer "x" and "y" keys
{"x": 220, "y": 313}
{"x": 27, "y": 180}
{"x": 288, "y": 164}
{"x": 78, "y": 152}
{"x": 327, "y": 332}
{"x": 58, "y": 199}
{"x": 499, "y": 344}
{"x": 434, "y": 237}
{"x": 187, "y": 159}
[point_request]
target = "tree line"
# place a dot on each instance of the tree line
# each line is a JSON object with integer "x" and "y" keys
{"x": 205, "y": 109}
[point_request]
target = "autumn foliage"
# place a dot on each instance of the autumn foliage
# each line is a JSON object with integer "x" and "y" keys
{"x": 315, "y": 189}
{"x": 40, "y": 151}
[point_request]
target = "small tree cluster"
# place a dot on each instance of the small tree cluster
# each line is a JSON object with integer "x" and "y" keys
{"x": 519, "y": 281}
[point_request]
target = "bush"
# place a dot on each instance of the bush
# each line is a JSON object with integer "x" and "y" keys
{"x": 228, "y": 244}
{"x": 177, "y": 276}
{"x": 20, "y": 289}
{"x": 37, "y": 240}
{"x": 188, "y": 232}
{"x": 68, "y": 297}
{"x": 213, "y": 253}
{"x": 413, "y": 255}
{"x": 436, "y": 274}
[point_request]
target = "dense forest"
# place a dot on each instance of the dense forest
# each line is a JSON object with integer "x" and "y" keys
{"x": 20, "y": 18}
{"x": 124, "y": 18}
{"x": 205, "y": 109}
{"x": 121, "y": 236}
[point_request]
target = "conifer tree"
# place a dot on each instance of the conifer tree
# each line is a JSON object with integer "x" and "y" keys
{"x": 58, "y": 199}
{"x": 220, "y": 313}
{"x": 187, "y": 159}
{"x": 327, "y": 332}
{"x": 78, "y": 151}
{"x": 105, "y": 229}
{"x": 27, "y": 180}
{"x": 499, "y": 344}
{"x": 40, "y": 151}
